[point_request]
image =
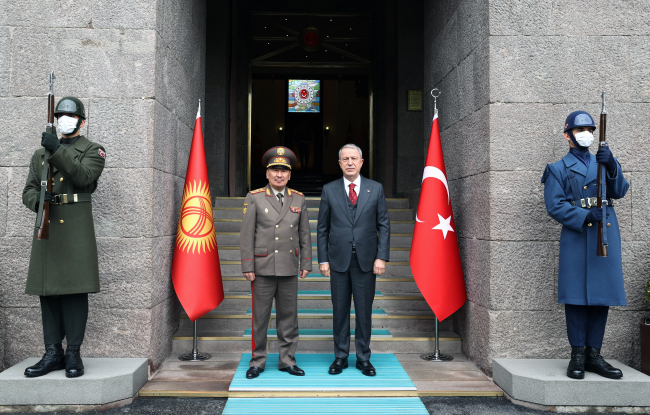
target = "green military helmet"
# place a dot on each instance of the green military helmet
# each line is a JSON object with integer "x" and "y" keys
{"x": 70, "y": 105}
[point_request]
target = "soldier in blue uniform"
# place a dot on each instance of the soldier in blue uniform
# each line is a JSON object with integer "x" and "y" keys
{"x": 587, "y": 284}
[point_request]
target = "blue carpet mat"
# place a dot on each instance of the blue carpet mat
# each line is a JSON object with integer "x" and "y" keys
{"x": 390, "y": 375}
{"x": 320, "y": 312}
{"x": 324, "y": 333}
{"x": 325, "y": 406}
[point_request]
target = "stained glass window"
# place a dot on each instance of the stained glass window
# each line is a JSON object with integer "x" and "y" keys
{"x": 304, "y": 95}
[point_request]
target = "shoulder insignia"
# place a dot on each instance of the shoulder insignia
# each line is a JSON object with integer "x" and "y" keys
{"x": 102, "y": 153}
{"x": 296, "y": 192}
{"x": 260, "y": 190}
{"x": 245, "y": 208}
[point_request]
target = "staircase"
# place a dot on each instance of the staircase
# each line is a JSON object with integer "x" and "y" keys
{"x": 402, "y": 320}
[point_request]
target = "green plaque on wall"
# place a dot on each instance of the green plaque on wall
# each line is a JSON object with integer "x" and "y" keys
{"x": 414, "y": 99}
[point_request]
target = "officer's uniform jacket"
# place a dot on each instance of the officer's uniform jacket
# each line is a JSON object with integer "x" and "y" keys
{"x": 66, "y": 263}
{"x": 583, "y": 277}
{"x": 275, "y": 239}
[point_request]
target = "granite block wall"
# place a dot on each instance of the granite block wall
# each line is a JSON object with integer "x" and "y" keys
{"x": 139, "y": 68}
{"x": 532, "y": 63}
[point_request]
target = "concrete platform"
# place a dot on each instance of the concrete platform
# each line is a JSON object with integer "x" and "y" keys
{"x": 105, "y": 381}
{"x": 544, "y": 382}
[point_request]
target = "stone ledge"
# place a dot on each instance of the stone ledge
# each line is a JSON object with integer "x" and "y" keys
{"x": 544, "y": 382}
{"x": 105, "y": 381}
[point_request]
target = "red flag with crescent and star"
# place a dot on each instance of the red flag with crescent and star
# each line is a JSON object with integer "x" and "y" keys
{"x": 196, "y": 272}
{"x": 435, "y": 258}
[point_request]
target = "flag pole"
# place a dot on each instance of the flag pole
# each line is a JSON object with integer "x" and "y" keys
{"x": 194, "y": 355}
{"x": 436, "y": 356}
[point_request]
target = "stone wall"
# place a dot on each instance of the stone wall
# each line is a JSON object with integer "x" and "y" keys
{"x": 138, "y": 67}
{"x": 510, "y": 72}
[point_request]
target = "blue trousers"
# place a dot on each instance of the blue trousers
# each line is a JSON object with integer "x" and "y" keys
{"x": 585, "y": 324}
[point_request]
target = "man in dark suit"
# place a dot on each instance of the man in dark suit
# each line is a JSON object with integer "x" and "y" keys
{"x": 353, "y": 247}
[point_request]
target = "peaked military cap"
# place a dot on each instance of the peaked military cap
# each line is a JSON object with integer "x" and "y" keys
{"x": 279, "y": 156}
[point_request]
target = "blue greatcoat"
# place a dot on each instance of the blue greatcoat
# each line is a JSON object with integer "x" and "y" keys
{"x": 583, "y": 277}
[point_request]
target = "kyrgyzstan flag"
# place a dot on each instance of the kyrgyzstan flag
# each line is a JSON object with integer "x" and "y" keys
{"x": 435, "y": 258}
{"x": 196, "y": 272}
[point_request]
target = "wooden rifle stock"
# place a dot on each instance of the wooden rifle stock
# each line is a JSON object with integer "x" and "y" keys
{"x": 44, "y": 227}
{"x": 602, "y": 185}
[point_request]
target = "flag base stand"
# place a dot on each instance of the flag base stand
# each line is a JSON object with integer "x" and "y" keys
{"x": 436, "y": 356}
{"x": 194, "y": 355}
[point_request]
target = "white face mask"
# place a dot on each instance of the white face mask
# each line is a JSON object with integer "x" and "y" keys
{"x": 67, "y": 124}
{"x": 584, "y": 138}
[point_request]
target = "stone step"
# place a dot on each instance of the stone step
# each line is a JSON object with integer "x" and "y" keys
{"x": 106, "y": 380}
{"x": 235, "y": 342}
{"x": 236, "y": 213}
{"x": 391, "y": 302}
{"x": 317, "y": 319}
{"x": 544, "y": 382}
{"x": 385, "y": 285}
{"x": 311, "y": 202}
{"x": 393, "y": 269}
{"x": 232, "y": 253}
{"x": 396, "y": 239}
{"x": 234, "y": 225}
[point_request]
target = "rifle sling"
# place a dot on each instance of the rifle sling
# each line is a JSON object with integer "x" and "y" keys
{"x": 45, "y": 173}
{"x": 603, "y": 196}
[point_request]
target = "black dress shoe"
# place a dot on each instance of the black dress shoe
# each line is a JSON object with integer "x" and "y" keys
{"x": 53, "y": 359}
{"x": 74, "y": 367}
{"x": 595, "y": 363}
{"x": 366, "y": 368}
{"x": 576, "y": 369}
{"x": 293, "y": 370}
{"x": 338, "y": 366}
{"x": 253, "y": 372}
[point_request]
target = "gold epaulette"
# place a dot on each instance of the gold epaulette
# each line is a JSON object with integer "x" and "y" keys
{"x": 261, "y": 189}
{"x": 297, "y": 192}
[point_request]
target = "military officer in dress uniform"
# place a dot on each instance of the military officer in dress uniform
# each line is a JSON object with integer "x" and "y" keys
{"x": 64, "y": 269}
{"x": 275, "y": 248}
{"x": 587, "y": 284}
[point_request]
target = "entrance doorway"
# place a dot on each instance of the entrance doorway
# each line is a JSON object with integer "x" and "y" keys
{"x": 311, "y": 91}
{"x": 342, "y": 115}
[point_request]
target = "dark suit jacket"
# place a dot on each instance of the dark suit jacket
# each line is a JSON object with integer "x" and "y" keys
{"x": 371, "y": 226}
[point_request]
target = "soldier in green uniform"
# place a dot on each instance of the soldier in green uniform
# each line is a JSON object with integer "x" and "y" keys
{"x": 63, "y": 269}
{"x": 275, "y": 246}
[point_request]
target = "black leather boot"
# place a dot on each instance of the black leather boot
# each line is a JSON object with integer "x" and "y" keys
{"x": 576, "y": 369}
{"x": 595, "y": 363}
{"x": 53, "y": 359}
{"x": 74, "y": 367}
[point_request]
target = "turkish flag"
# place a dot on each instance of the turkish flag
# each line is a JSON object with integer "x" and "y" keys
{"x": 435, "y": 258}
{"x": 196, "y": 272}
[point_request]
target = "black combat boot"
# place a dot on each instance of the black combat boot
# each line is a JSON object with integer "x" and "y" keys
{"x": 576, "y": 369}
{"x": 74, "y": 367}
{"x": 595, "y": 363}
{"x": 53, "y": 359}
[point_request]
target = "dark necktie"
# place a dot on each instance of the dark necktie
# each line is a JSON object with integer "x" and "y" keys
{"x": 280, "y": 196}
{"x": 353, "y": 195}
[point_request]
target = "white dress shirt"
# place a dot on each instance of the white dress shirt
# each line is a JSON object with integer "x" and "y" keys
{"x": 357, "y": 183}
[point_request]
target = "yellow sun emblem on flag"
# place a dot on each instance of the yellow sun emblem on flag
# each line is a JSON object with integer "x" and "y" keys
{"x": 195, "y": 224}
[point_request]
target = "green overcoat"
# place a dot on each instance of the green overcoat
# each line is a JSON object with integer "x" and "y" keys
{"x": 66, "y": 263}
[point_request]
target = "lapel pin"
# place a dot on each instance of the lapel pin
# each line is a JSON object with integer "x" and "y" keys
{"x": 266, "y": 210}
{"x": 368, "y": 190}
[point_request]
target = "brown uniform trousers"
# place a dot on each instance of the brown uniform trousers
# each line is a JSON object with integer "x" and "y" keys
{"x": 275, "y": 244}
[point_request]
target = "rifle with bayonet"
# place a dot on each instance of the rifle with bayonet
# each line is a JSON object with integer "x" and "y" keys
{"x": 602, "y": 186}
{"x": 43, "y": 217}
